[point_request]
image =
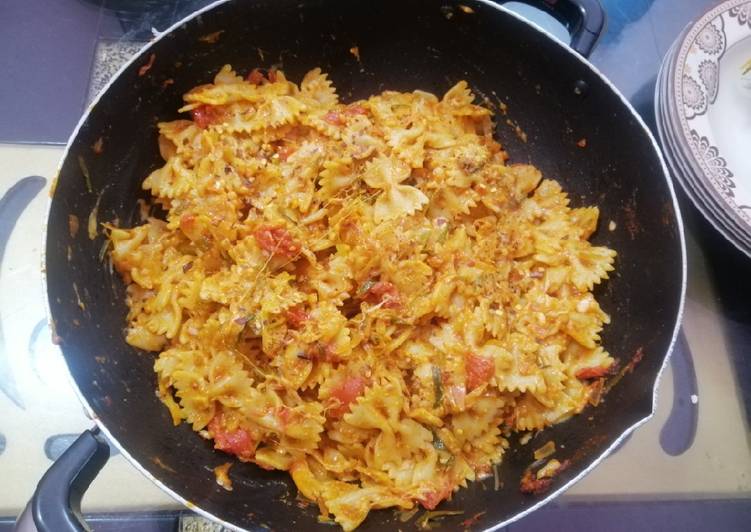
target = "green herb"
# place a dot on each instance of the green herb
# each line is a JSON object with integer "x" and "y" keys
{"x": 103, "y": 250}
{"x": 438, "y": 385}
{"x": 424, "y": 523}
{"x": 423, "y": 236}
{"x": 365, "y": 287}
{"x": 247, "y": 324}
{"x": 85, "y": 172}
{"x": 443, "y": 233}
{"x": 406, "y": 515}
{"x": 446, "y": 459}
{"x": 438, "y": 442}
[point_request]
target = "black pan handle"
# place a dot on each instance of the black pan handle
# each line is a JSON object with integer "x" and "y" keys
{"x": 56, "y": 505}
{"x": 584, "y": 19}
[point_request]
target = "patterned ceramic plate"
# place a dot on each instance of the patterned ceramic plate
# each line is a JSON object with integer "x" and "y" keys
{"x": 681, "y": 170}
{"x": 684, "y": 168}
{"x": 713, "y": 104}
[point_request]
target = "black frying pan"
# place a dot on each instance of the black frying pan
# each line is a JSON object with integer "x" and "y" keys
{"x": 554, "y": 95}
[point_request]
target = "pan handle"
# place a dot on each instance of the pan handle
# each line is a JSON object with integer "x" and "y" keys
{"x": 585, "y": 20}
{"x": 56, "y": 504}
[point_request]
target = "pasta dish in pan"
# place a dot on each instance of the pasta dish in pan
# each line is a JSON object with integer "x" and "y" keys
{"x": 365, "y": 295}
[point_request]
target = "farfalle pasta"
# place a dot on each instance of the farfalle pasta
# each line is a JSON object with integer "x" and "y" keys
{"x": 365, "y": 295}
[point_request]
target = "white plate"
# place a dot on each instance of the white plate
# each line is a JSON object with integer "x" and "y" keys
{"x": 704, "y": 197}
{"x": 714, "y": 108}
{"x": 682, "y": 173}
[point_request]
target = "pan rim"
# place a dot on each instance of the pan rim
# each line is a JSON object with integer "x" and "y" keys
{"x": 158, "y": 36}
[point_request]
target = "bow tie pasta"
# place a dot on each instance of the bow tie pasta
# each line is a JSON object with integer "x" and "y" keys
{"x": 364, "y": 295}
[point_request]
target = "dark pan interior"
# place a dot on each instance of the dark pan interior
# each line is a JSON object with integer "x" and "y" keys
{"x": 403, "y": 45}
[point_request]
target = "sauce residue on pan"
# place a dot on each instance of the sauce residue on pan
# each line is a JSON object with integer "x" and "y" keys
{"x": 211, "y": 38}
{"x": 145, "y": 68}
{"x": 73, "y": 225}
{"x": 158, "y": 461}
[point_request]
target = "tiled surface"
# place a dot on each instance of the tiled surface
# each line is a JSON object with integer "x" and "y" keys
{"x": 42, "y": 91}
{"x": 109, "y": 56}
{"x": 48, "y": 49}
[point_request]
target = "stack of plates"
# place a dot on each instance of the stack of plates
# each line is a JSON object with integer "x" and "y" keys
{"x": 703, "y": 112}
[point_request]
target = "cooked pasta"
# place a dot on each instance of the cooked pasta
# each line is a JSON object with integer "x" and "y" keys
{"x": 364, "y": 295}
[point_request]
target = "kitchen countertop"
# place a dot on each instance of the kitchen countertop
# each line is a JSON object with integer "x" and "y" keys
{"x": 688, "y": 468}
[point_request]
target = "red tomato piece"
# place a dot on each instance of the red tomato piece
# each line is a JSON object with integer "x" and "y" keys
{"x": 285, "y": 415}
{"x": 255, "y": 76}
{"x": 334, "y": 118}
{"x": 187, "y": 222}
{"x": 592, "y": 373}
{"x": 191, "y": 227}
{"x": 277, "y": 241}
{"x": 479, "y": 370}
{"x": 433, "y": 498}
{"x": 347, "y": 392}
{"x": 355, "y": 109}
{"x": 238, "y": 442}
{"x": 285, "y": 151}
{"x": 296, "y": 316}
{"x": 205, "y": 115}
{"x": 383, "y": 292}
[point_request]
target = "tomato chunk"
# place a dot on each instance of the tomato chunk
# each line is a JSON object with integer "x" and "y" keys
{"x": 347, "y": 392}
{"x": 285, "y": 415}
{"x": 238, "y": 442}
{"x": 385, "y": 293}
{"x": 479, "y": 370}
{"x": 433, "y": 498}
{"x": 530, "y": 484}
{"x": 255, "y": 76}
{"x": 205, "y": 115}
{"x": 355, "y": 109}
{"x": 192, "y": 227}
{"x": 277, "y": 241}
{"x": 285, "y": 151}
{"x": 334, "y": 118}
{"x": 187, "y": 222}
{"x": 592, "y": 373}
{"x": 296, "y": 316}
